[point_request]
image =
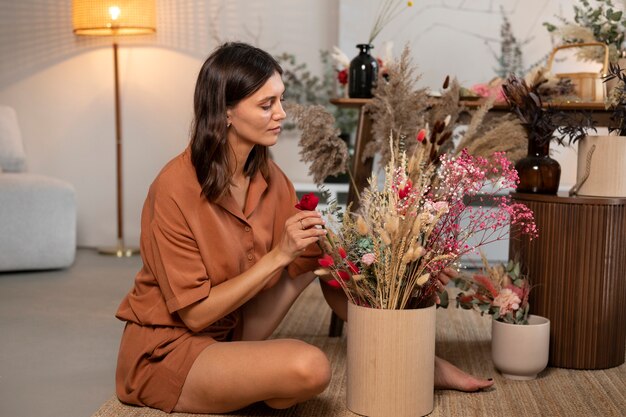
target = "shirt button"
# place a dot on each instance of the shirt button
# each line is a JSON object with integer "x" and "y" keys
{"x": 250, "y": 257}
{"x": 247, "y": 229}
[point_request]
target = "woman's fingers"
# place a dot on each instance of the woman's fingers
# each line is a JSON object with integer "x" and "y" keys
{"x": 306, "y": 220}
{"x": 301, "y": 230}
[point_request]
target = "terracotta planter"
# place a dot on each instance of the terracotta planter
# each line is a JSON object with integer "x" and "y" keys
{"x": 391, "y": 361}
{"x": 601, "y": 169}
{"x": 520, "y": 351}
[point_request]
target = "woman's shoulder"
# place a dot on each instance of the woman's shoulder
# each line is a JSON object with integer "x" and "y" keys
{"x": 177, "y": 177}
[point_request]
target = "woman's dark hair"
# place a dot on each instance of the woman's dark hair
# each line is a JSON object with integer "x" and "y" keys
{"x": 231, "y": 73}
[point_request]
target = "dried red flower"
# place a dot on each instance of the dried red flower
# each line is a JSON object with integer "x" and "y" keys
{"x": 326, "y": 261}
{"x": 334, "y": 283}
{"x": 342, "y": 76}
{"x": 353, "y": 267}
{"x": 421, "y": 135}
{"x": 343, "y": 275}
{"x": 406, "y": 190}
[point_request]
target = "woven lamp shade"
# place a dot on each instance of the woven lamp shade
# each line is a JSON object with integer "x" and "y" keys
{"x": 113, "y": 17}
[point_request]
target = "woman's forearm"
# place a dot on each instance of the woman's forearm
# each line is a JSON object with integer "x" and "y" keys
{"x": 233, "y": 293}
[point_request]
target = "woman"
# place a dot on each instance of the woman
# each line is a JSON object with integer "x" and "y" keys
{"x": 225, "y": 255}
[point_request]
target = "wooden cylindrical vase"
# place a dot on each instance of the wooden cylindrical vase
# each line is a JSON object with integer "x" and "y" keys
{"x": 391, "y": 361}
{"x": 601, "y": 169}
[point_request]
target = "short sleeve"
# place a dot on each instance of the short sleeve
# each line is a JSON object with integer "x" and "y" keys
{"x": 175, "y": 257}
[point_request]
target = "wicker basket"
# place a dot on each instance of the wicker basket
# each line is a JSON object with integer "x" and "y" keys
{"x": 587, "y": 85}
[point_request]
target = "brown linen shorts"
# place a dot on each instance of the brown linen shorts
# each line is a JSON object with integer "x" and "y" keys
{"x": 153, "y": 363}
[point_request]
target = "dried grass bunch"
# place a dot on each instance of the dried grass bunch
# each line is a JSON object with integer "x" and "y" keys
{"x": 398, "y": 107}
{"x": 320, "y": 144}
{"x": 506, "y": 135}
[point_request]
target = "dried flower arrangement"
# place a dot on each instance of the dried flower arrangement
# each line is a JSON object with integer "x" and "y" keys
{"x": 617, "y": 100}
{"x": 500, "y": 291}
{"x": 544, "y": 124}
{"x": 389, "y": 252}
{"x": 600, "y": 22}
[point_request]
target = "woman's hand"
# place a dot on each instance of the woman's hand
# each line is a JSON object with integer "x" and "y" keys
{"x": 300, "y": 231}
{"x": 444, "y": 277}
{"x": 442, "y": 280}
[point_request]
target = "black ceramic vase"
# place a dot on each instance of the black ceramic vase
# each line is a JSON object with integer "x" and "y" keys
{"x": 538, "y": 173}
{"x": 363, "y": 73}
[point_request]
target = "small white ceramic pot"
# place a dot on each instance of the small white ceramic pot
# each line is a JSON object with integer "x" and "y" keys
{"x": 520, "y": 351}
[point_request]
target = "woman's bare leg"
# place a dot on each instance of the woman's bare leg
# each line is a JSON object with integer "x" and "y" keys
{"x": 263, "y": 313}
{"x": 229, "y": 376}
{"x": 447, "y": 376}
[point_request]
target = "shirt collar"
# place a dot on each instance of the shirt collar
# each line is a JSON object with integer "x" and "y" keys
{"x": 256, "y": 188}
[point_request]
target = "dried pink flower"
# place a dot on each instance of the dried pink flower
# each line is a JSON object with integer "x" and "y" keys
{"x": 368, "y": 259}
{"x": 507, "y": 300}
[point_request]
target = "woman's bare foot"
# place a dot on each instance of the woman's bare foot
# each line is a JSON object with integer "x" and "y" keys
{"x": 448, "y": 376}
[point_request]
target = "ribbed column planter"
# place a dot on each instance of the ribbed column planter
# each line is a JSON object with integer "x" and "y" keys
{"x": 576, "y": 268}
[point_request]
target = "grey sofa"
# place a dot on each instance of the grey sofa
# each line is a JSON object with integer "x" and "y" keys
{"x": 37, "y": 213}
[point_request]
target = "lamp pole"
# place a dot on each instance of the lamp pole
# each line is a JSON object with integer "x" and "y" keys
{"x": 106, "y": 18}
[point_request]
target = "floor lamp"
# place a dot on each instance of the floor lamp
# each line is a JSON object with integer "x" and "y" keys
{"x": 115, "y": 18}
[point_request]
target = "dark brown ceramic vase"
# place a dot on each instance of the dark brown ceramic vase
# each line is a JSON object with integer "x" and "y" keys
{"x": 538, "y": 173}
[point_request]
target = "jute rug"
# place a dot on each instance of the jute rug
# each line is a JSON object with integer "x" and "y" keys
{"x": 463, "y": 338}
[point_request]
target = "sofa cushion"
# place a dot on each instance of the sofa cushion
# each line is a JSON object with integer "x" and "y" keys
{"x": 37, "y": 222}
{"x": 12, "y": 156}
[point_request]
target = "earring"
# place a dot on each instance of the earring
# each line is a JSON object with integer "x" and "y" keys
{"x": 228, "y": 124}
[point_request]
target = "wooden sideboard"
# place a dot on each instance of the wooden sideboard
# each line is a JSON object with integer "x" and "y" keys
{"x": 576, "y": 268}
{"x": 361, "y": 169}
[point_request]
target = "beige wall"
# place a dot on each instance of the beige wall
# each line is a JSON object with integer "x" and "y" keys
{"x": 62, "y": 89}
{"x": 62, "y": 85}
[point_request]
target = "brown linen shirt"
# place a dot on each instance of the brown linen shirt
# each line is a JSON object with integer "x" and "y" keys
{"x": 189, "y": 245}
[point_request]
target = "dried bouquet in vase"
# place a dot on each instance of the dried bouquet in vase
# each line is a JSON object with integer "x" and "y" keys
{"x": 388, "y": 254}
{"x": 544, "y": 124}
{"x": 500, "y": 291}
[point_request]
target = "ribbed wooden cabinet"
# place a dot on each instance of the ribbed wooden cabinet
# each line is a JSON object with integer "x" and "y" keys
{"x": 577, "y": 268}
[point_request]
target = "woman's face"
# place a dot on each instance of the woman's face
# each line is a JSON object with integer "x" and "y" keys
{"x": 256, "y": 119}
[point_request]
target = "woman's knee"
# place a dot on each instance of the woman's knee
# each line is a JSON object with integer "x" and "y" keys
{"x": 311, "y": 368}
